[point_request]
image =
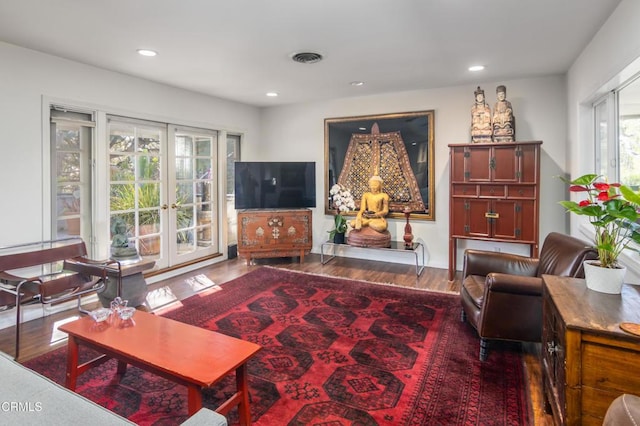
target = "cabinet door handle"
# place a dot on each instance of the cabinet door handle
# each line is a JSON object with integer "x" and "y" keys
{"x": 491, "y": 215}
{"x": 553, "y": 348}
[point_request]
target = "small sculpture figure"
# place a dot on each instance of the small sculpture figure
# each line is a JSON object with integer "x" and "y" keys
{"x": 480, "y": 119}
{"x": 374, "y": 206}
{"x": 120, "y": 247}
{"x": 504, "y": 125}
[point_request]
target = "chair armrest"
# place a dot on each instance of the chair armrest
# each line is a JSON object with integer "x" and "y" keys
{"x": 10, "y": 278}
{"x": 514, "y": 284}
{"x": 98, "y": 268}
{"x": 481, "y": 262}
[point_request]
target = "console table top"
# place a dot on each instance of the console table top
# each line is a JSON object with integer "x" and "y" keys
{"x": 586, "y": 309}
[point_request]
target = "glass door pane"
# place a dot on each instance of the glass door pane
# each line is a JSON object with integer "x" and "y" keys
{"x": 136, "y": 186}
{"x": 193, "y": 210}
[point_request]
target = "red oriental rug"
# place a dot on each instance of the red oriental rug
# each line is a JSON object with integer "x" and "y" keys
{"x": 335, "y": 352}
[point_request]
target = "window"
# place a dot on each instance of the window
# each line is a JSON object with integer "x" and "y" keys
{"x": 629, "y": 134}
{"x": 617, "y": 141}
{"x": 71, "y": 156}
{"x": 617, "y": 134}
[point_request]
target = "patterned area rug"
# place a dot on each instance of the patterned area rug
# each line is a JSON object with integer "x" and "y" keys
{"x": 335, "y": 352}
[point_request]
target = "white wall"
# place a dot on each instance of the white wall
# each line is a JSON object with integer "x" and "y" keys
{"x": 297, "y": 133}
{"x": 27, "y": 76}
{"x": 611, "y": 57}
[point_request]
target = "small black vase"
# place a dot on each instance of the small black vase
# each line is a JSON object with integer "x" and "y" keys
{"x": 338, "y": 238}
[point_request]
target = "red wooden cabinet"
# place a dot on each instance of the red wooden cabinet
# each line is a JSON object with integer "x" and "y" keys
{"x": 274, "y": 233}
{"x": 494, "y": 194}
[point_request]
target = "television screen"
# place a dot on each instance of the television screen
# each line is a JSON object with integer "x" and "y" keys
{"x": 267, "y": 185}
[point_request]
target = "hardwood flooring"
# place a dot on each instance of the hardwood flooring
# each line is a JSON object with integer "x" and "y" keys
{"x": 40, "y": 336}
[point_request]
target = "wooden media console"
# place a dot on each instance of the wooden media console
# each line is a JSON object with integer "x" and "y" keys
{"x": 274, "y": 233}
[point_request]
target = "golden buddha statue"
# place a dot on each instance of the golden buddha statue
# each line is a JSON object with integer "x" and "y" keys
{"x": 374, "y": 206}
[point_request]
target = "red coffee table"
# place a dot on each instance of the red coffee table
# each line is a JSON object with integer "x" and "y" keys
{"x": 185, "y": 354}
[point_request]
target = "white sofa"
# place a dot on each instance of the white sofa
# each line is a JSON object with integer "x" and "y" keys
{"x": 28, "y": 398}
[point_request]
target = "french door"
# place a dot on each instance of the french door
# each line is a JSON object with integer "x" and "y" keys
{"x": 194, "y": 201}
{"x": 162, "y": 186}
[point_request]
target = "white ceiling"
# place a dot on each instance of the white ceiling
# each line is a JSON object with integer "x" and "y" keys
{"x": 240, "y": 49}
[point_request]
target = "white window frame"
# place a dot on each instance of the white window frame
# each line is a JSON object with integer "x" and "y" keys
{"x": 610, "y": 169}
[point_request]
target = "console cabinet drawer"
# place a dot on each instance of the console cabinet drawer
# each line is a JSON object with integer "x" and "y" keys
{"x": 521, "y": 191}
{"x": 464, "y": 190}
{"x": 492, "y": 191}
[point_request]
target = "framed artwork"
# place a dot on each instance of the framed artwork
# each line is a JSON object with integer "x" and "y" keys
{"x": 397, "y": 147}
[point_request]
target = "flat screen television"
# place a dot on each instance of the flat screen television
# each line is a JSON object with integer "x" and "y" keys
{"x": 274, "y": 185}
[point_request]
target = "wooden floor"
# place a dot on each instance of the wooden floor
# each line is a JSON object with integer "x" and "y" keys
{"x": 41, "y": 335}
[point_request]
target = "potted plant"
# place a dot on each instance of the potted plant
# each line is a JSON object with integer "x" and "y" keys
{"x": 342, "y": 201}
{"x": 612, "y": 210}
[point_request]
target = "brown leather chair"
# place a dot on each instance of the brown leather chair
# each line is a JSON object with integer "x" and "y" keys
{"x": 502, "y": 293}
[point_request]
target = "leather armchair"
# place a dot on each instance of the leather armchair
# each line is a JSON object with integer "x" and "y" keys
{"x": 502, "y": 293}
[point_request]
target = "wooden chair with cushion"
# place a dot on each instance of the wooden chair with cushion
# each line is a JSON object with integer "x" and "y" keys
{"x": 502, "y": 293}
{"x": 50, "y": 272}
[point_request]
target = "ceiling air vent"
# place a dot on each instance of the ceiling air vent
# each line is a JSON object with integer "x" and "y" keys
{"x": 307, "y": 57}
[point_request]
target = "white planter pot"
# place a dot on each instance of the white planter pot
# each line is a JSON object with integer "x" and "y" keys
{"x": 604, "y": 280}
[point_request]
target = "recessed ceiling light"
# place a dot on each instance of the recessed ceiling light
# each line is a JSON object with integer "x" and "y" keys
{"x": 362, "y": 128}
{"x": 357, "y": 83}
{"x": 476, "y": 68}
{"x": 147, "y": 52}
{"x": 272, "y": 94}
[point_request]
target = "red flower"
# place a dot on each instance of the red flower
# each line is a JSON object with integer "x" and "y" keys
{"x": 603, "y": 196}
{"x": 601, "y": 186}
{"x": 584, "y": 203}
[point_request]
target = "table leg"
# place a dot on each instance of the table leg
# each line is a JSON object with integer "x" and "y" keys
{"x": 243, "y": 389}
{"x": 452, "y": 258}
{"x": 72, "y": 364}
{"x": 194, "y": 397}
{"x": 122, "y": 367}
